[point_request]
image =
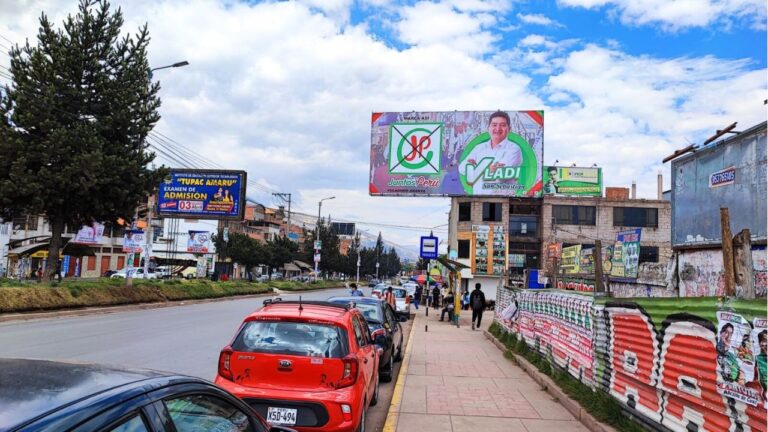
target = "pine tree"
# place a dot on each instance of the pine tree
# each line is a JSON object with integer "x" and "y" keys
{"x": 73, "y": 124}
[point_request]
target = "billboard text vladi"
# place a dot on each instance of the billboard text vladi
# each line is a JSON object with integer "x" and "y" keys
{"x": 203, "y": 194}
{"x": 459, "y": 153}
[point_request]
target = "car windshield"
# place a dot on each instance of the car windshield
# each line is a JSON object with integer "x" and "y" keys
{"x": 292, "y": 338}
{"x": 399, "y": 292}
{"x": 371, "y": 312}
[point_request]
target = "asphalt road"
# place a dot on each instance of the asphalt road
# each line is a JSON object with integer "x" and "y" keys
{"x": 185, "y": 338}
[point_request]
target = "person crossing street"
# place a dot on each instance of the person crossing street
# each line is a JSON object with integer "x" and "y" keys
{"x": 477, "y": 303}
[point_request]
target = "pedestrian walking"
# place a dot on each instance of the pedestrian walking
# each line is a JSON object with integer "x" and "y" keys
{"x": 389, "y": 297}
{"x": 417, "y": 296}
{"x": 435, "y": 297}
{"x": 465, "y": 300}
{"x": 477, "y": 302}
{"x": 355, "y": 291}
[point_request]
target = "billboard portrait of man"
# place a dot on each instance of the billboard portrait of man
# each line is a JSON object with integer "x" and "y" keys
{"x": 490, "y": 156}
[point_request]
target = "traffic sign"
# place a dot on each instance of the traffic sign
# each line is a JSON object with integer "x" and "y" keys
{"x": 318, "y": 244}
{"x": 428, "y": 249}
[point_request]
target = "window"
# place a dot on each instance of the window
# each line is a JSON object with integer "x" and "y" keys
{"x": 649, "y": 254}
{"x": 523, "y": 226}
{"x": 635, "y": 217}
{"x": 465, "y": 212}
{"x": 523, "y": 209}
{"x": 390, "y": 316}
{"x": 574, "y": 215}
{"x": 198, "y": 413}
{"x": 518, "y": 247}
{"x": 491, "y": 212}
{"x": 463, "y": 249}
{"x": 292, "y": 338}
{"x": 359, "y": 334}
{"x": 134, "y": 424}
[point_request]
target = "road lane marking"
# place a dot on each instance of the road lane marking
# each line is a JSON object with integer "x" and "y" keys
{"x": 390, "y": 425}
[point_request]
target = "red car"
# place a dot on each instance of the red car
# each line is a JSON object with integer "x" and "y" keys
{"x": 307, "y": 365}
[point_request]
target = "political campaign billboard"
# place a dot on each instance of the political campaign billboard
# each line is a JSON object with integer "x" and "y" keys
{"x": 457, "y": 153}
{"x": 573, "y": 181}
{"x": 626, "y": 254}
{"x": 199, "y": 242}
{"x": 202, "y": 194}
{"x": 89, "y": 234}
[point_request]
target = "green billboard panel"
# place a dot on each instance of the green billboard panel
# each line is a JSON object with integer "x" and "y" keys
{"x": 573, "y": 181}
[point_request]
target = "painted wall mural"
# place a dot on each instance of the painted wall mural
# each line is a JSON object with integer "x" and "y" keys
{"x": 683, "y": 371}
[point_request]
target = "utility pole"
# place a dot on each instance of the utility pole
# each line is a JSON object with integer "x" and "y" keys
{"x": 286, "y": 197}
{"x": 727, "y": 239}
{"x": 597, "y": 255}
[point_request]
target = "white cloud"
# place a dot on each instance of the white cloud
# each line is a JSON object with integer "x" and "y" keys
{"x": 285, "y": 90}
{"x": 538, "y": 19}
{"x": 674, "y": 15}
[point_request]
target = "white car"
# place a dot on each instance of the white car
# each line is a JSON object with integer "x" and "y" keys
{"x": 137, "y": 274}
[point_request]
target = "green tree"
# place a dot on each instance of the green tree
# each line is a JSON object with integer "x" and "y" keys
{"x": 73, "y": 124}
{"x": 281, "y": 250}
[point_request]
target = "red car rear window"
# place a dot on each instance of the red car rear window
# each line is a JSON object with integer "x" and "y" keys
{"x": 292, "y": 338}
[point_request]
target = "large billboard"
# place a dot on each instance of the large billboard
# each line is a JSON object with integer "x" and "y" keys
{"x": 457, "y": 153}
{"x": 203, "y": 194}
{"x": 626, "y": 254}
{"x": 573, "y": 181}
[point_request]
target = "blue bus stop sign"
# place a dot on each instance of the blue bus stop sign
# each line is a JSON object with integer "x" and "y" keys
{"x": 428, "y": 249}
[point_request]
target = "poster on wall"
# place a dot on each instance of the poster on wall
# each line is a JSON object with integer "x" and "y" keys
{"x": 574, "y": 181}
{"x": 735, "y": 358}
{"x": 587, "y": 263}
{"x": 457, "y": 153}
{"x": 199, "y": 242}
{"x": 760, "y": 349}
{"x": 554, "y": 250}
{"x": 499, "y": 251}
{"x": 626, "y": 254}
{"x": 133, "y": 241}
{"x": 481, "y": 248}
{"x": 570, "y": 259}
{"x": 89, "y": 234}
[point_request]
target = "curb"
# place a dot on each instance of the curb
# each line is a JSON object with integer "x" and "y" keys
{"x": 390, "y": 425}
{"x": 547, "y": 384}
{"x": 97, "y": 310}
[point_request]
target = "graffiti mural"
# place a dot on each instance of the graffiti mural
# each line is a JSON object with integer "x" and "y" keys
{"x": 683, "y": 371}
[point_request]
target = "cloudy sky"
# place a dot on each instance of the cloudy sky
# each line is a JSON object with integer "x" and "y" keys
{"x": 285, "y": 90}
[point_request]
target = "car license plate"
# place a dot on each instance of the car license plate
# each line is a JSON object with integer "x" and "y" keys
{"x": 285, "y": 416}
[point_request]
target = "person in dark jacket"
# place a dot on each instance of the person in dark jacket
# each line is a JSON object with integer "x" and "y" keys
{"x": 417, "y": 296}
{"x": 448, "y": 306}
{"x": 477, "y": 303}
{"x": 435, "y": 297}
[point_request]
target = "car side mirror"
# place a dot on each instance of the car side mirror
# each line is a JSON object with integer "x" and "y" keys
{"x": 380, "y": 340}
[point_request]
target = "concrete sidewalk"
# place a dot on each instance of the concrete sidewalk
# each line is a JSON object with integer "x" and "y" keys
{"x": 455, "y": 380}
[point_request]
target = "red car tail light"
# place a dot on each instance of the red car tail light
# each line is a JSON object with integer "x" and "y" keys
{"x": 225, "y": 370}
{"x": 351, "y": 368}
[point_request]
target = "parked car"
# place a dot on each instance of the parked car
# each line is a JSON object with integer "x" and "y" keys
{"x": 373, "y": 282}
{"x": 385, "y": 330}
{"x": 108, "y": 273}
{"x": 277, "y": 276}
{"x": 263, "y": 278}
{"x": 378, "y": 290}
{"x": 402, "y": 302}
{"x": 40, "y": 395}
{"x": 312, "y": 365}
{"x": 138, "y": 273}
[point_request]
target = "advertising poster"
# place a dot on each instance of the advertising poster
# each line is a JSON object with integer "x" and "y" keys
{"x": 587, "y": 264}
{"x": 133, "y": 241}
{"x": 499, "y": 251}
{"x": 203, "y": 194}
{"x": 199, "y": 242}
{"x": 570, "y": 259}
{"x": 457, "y": 153}
{"x": 554, "y": 250}
{"x": 90, "y": 235}
{"x": 626, "y": 254}
{"x": 517, "y": 260}
{"x": 760, "y": 349}
{"x": 735, "y": 358}
{"x": 481, "y": 248}
{"x": 573, "y": 181}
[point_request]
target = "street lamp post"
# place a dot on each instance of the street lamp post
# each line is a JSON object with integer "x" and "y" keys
{"x": 377, "y": 269}
{"x": 317, "y": 232}
{"x": 147, "y": 249}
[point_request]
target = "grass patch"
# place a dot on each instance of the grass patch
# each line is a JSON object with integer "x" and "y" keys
{"x": 18, "y": 296}
{"x": 601, "y": 405}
